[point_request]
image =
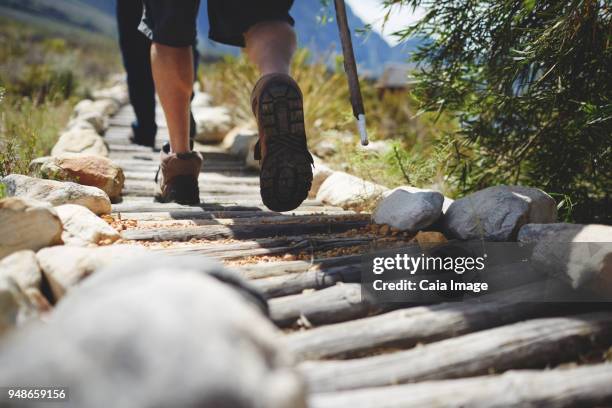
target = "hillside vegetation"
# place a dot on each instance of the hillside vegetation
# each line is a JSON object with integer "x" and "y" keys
{"x": 44, "y": 71}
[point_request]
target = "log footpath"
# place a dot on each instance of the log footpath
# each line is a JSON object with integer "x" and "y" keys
{"x": 506, "y": 351}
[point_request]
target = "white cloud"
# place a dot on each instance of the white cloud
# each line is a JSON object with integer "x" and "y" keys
{"x": 373, "y": 13}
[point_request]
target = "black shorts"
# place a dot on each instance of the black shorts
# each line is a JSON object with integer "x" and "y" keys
{"x": 174, "y": 22}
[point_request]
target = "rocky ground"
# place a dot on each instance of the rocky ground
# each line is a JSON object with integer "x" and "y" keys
{"x": 134, "y": 303}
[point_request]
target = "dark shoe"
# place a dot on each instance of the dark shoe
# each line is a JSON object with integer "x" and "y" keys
{"x": 138, "y": 138}
{"x": 286, "y": 164}
{"x": 177, "y": 177}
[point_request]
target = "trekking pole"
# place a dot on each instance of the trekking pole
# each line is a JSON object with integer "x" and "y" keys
{"x": 350, "y": 67}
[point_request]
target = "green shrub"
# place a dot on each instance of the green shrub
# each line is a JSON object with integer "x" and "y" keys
{"x": 531, "y": 86}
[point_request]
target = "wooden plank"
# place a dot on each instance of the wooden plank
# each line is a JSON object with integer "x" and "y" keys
{"x": 239, "y": 231}
{"x": 273, "y": 245}
{"x": 587, "y": 386}
{"x": 151, "y": 206}
{"x": 275, "y": 218}
{"x": 214, "y": 179}
{"x": 290, "y": 284}
{"x": 531, "y": 344}
{"x": 405, "y": 328}
{"x": 269, "y": 269}
{"x": 170, "y": 216}
{"x": 331, "y": 305}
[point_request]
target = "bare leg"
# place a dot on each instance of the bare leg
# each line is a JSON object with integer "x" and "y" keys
{"x": 270, "y": 45}
{"x": 173, "y": 75}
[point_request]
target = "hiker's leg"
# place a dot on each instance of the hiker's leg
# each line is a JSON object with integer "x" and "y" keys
{"x": 173, "y": 75}
{"x": 135, "y": 50}
{"x": 270, "y": 45}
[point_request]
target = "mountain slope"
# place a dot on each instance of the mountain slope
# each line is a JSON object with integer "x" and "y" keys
{"x": 371, "y": 51}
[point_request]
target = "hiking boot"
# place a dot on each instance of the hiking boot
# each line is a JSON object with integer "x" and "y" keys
{"x": 177, "y": 177}
{"x": 141, "y": 138}
{"x": 286, "y": 164}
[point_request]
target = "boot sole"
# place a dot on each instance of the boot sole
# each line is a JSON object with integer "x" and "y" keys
{"x": 286, "y": 174}
{"x": 183, "y": 190}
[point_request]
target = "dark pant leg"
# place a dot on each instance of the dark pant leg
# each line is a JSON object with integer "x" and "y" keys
{"x": 135, "y": 50}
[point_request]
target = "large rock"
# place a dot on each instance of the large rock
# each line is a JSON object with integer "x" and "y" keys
{"x": 98, "y": 121}
{"x": 239, "y": 141}
{"x": 15, "y": 308}
{"x": 80, "y": 141}
{"x": 104, "y": 107}
{"x": 497, "y": 213}
{"x": 65, "y": 267}
{"x": 579, "y": 254}
{"x": 409, "y": 209}
{"x": 82, "y": 227}
{"x": 118, "y": 93}
{"x": 212, "y": 123}
{"x": 27, "y": 224}
{"x": 88, "y": 170}
{"x": 57, "y": 192}
{"x": 149, "y": 334}
{"x": 344, "y": 190}
{"x": 22, "y": 267}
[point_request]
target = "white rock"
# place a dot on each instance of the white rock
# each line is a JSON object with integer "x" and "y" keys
{"x": 344, "y": 190}
{"x": 15, "y": 308}
{"x": 118, "y": 93}
{"x": 80, "y": 141}
{"x": 27, "y": 224}
{"x": 320, "y": 173}
{"x": 82, "y": 227}
{"x": 150, "y": 334}
{"x": 201, "y": 100}
{"x": 212, "y": 123}
{"x": 239, "y": 141}
{"x": 497, "y": 213}
{"x": 57, "y": 192}
{"x": 581, "y": 254}
{"x": 409, "y": 211}
{"x": 325, "y": 148}
{"x": 97, "y": 120}
{"x": 22, "y": 267}
{"x": 65, "y": 267}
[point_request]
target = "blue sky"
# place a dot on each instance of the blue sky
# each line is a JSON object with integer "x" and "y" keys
{"x": 372, "y": 13}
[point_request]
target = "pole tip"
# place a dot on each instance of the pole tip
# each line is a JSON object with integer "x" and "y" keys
{"x": 363, "y": 133}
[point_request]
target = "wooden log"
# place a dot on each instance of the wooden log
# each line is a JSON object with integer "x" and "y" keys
{"x": 276, "y": 218}
{"x": 331, "y": 305}
{"x": 586, "y": 386}
{"x": 240, "y": 231}
{"x": 266, "y": 246}
{"x": 211, "y": 215}
{"x": 405, "y": 328}
{"x": 149, "y": 206}
{"x": 269, "y": 269}
{"x": 531, "y": 344}
{"x": 293, "y": 283}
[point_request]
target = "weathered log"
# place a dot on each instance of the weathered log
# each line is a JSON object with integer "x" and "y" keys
{"x": 405, "y": 328}
{"x": 213, "y": 215}
{"x": 331, "y": 305}
{"x": 266, "y": 246}
{"x": 269, "y": 269}
{"x": 290, "y": 284}
{"x": 587, "y": 386}
{"x": 240, "y": 231}
{"x": 531, "y": 344}
{"x": 149, "y": 206}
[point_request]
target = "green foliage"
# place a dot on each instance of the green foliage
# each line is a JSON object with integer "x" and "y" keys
{"x": 40, "y": 75}
{"x": 530, "y": 84}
